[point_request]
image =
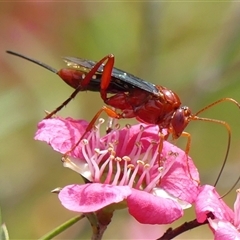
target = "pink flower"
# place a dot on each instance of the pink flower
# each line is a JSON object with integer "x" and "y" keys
{"x": 124, "y": 170}
{"x": 226, "y": 223}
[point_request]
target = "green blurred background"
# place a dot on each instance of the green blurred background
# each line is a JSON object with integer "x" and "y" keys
{"x": 191, "y": 48}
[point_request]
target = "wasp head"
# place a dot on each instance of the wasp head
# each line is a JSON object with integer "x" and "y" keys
{"x": 180, "y": 120}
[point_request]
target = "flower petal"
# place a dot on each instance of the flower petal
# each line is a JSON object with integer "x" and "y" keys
{"x": 62, "y": 134}
{"x": 149, "y": 209}
{"x": 223, "y": 230}
{"x": 149, "y": 134}
{"x": 209, "y": 201}
{"x": 237, "y": 210}
{"x": 92, "y": 197}
{"x": 176, "y": 178}
{"x": 162, "y": 193}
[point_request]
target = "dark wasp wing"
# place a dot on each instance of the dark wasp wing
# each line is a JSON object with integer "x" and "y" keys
{"x": 121, "y": 81}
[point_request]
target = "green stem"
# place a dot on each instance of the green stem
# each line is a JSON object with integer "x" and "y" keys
{"x": 61, "y": 228}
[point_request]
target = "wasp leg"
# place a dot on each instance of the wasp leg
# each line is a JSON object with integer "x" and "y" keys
{"x": 110, "y": 112}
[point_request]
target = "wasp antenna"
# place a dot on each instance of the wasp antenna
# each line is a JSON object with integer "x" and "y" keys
{"x": 33, "y": 61}
{"x": 195, "y": 117}
{"x": 228, "y": 144}
{"x": 217, "y": 102}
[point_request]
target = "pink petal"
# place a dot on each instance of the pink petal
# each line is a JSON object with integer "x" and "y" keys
{"x": 148, "y": 135}
{"x": 223, "y": 230}
{"x": 237, "y": 210}
{"x": 92, "y": 197}
{"x": 150, "y": 209}
{"x": 176, "y": 178}
{"x": 61, "y": 134}
{"x": 209, "y": 201}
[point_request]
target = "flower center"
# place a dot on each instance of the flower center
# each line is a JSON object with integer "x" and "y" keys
{"x": 119, "y": 164}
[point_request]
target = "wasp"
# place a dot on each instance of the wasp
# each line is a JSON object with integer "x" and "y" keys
{"x": 132, "y": 97}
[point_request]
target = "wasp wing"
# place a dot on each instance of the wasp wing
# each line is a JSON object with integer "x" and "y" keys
{"x": 123, "y": 80}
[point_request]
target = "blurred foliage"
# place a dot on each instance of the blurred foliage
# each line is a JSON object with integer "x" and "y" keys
{"x": 191, "y": 48}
